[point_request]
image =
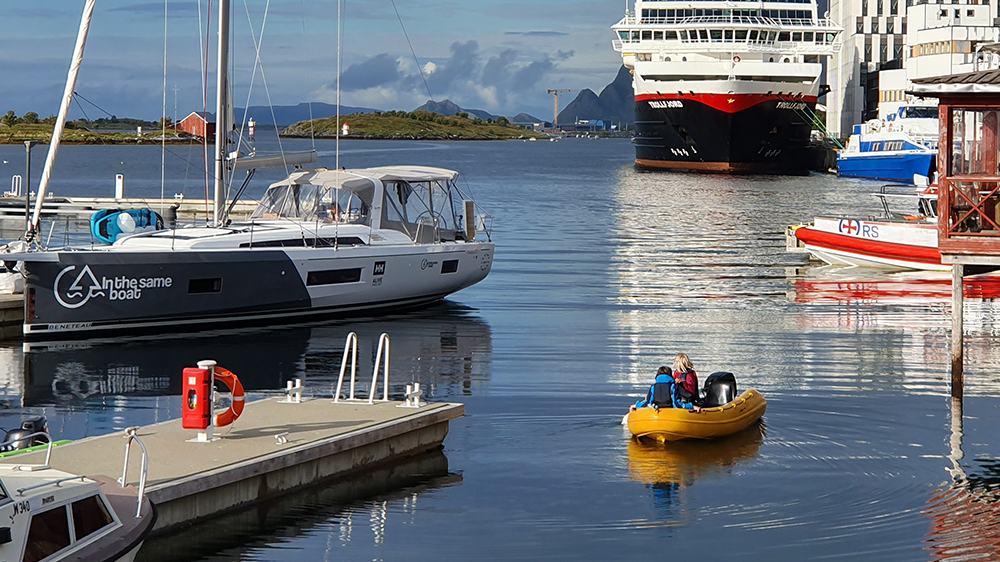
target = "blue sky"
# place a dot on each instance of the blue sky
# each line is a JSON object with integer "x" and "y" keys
{"x": 499, "y": 56}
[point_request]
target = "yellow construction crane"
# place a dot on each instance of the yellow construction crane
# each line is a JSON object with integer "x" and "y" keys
{"x": 555, "y": 112}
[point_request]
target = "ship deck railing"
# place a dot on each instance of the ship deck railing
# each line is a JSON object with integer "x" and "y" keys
{"x": 824, "y": 23}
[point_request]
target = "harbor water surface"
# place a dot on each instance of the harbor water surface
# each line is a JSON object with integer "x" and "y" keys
{"x": 602, "y": 274}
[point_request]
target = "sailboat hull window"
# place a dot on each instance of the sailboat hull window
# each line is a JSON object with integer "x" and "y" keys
{"x": 201, "y": 286}
{"x": 333, "y": 276}
{"x": 449, "y": 266}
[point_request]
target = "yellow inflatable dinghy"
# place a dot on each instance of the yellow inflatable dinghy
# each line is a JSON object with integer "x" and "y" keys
{"x": 672, "y": 424}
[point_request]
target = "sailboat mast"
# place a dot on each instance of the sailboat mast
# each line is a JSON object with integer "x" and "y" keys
{"x": 67, "y": 99}
{"x": 221, "y": 115}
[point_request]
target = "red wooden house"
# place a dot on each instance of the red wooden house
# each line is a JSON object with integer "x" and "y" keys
{"x": 196, "y": 125}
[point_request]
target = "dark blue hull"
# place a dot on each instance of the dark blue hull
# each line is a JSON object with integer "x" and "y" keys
{"x": 899, "y": 167}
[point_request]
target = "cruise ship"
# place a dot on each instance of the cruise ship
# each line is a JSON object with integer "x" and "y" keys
{"x": 724, "y": 86}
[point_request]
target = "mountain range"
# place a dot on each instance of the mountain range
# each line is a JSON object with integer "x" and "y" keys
{"x": 615, "y": 103}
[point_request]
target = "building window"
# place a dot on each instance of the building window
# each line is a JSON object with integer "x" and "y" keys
{"x": 860, "y": 25}
{"x": 889, "y": 26}
{"x": 893, "y": 7}
{"x": 874, "y": 25}
{"x": 864, "y": 7}
{"x": 879, "y": 7}
{"x": 883, "y": 52}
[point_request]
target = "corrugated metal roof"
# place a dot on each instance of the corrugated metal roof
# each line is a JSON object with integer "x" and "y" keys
{"x": 982, "y": 82}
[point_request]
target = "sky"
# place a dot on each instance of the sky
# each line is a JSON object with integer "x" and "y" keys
{"x": 499, "y": 56}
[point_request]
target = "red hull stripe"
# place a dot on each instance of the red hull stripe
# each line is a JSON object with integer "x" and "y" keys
{"x": 728, "y": 103}
{"x": 869, "y": 248}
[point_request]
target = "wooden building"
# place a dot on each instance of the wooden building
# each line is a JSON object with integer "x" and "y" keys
{"x": 968, "y": 183}
{"x": 195, "y": 124}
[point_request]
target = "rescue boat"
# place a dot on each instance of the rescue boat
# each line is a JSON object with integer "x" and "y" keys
{"x": 719, "y": 417}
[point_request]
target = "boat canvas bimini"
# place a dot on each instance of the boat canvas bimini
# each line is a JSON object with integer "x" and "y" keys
{"x": 320, "y": 243}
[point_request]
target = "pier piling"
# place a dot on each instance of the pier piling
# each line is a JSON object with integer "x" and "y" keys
{"x": 957, "y": 329}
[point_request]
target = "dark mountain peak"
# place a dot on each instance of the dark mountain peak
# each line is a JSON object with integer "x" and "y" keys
{"x": 616, "y": 102}
{"x": 449, "y": 108}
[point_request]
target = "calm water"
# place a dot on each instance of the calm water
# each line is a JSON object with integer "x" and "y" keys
{"x": 602, "y": 273}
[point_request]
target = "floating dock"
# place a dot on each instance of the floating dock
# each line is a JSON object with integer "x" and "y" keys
{"x": 272, "y": 448}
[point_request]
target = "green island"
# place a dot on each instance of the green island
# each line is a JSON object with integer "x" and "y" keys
{"x": 412, "y": 125}
{"x": 16, "y": 130}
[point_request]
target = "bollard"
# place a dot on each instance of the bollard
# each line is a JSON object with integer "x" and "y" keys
{"x": 119, "y": 186}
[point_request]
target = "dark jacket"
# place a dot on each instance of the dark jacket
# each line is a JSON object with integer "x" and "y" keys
{"x": 671, "y": 390}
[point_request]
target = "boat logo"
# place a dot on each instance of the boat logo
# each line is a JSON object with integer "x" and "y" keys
{"x": 666, "y": 104}
{"x": 427, "y": 263}
{"x": 379, "y": 268}
{"x": 849, "y": 226}
{"x": 731, "y": 100}
{"x": 84, "y": 287}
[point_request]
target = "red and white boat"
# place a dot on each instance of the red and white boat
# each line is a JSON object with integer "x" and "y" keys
{"x": 893, "y": 241}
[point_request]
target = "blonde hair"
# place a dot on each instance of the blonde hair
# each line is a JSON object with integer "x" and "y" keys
{"x": 682, "y": 363}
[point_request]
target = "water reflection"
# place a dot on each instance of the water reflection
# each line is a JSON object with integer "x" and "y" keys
{"x": 668, "y": 468}
{"x": 334, "y": 512}
{"x": 447, "y": 348}
{"x": 965, "y": 513}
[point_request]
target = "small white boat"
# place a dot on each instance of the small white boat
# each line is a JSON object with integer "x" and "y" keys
{"x": 54, "y": 516}
{"x": 893, "y": 241}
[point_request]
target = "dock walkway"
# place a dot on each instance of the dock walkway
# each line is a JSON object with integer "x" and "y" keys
{"x": 189, "y": 481}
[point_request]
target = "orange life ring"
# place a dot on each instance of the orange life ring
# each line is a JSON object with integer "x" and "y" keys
{"x": 226, "y": 377}
{"x": 736, "y": 58}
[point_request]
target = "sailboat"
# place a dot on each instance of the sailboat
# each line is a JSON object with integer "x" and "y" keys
{"x": 321, "y": 243}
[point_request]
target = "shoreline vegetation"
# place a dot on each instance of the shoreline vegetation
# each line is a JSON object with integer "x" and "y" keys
{"x": 389, "y": 125}
{"x": 410, "y": 125}
{"x": 16, "y": 130}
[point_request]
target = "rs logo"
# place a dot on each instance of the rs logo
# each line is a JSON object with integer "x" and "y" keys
{"x": 850, "y": 226}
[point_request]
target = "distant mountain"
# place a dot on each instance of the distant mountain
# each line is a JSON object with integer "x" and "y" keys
{"x": 616, "y": 102}
{"x": 449, "y": 108}
{"x": 525, "y": 118}
{"x": 285, "y": 115}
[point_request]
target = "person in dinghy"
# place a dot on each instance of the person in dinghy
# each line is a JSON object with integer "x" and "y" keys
{"x": 670, "y": 389}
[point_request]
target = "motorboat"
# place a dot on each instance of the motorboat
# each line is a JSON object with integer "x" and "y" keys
{"x": 722, "y": 413}
{"x": 895, "y": 148}
{"x": 894, "y": 241}
{"x": 321, "y": 243}
{"x": 55, "y": 516}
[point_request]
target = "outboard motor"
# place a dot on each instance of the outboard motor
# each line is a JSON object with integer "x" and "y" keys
{"x": 720, "y": 389}
{"x": 17, "y": 439}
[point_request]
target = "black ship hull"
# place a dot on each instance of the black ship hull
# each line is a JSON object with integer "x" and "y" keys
{"x": 741, "y": 134}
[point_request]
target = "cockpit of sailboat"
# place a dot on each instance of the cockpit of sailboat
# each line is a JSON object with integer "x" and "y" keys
{"x": 424, "y": 203}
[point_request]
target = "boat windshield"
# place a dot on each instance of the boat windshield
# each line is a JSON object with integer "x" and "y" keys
{"x": 422, "y": 209}
{"x": 919, "y": 112}
{"x": 347, "y": 201}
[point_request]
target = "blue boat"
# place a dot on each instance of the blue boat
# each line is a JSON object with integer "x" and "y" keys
{"x": 896, "y": 148}
{"x": 107, "y": 225}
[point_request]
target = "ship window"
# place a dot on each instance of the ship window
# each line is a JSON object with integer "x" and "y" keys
{"x": 797, "y": 36}
{"x": 741, "y": 35}
{"x": 808, "y": 36}
{"x": 671, "y": 35}
{"x": 783, "y": 36}
{"x": 89, "y": 516}
{"x": 333, "y": 276}
{"x": 716, "y": 35}
{"x": 647, "y": 35}
{"x": 658, "y": 35}
{"x": 771, "y": 36}
{"x": 703, "y": 34}
{"x": 201, "y": 286}
{"x": 753, "y": 34}
{"x": 48, "y": 534}
{"x": 623, "y": 35}
{"x": 729, "y": 35}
